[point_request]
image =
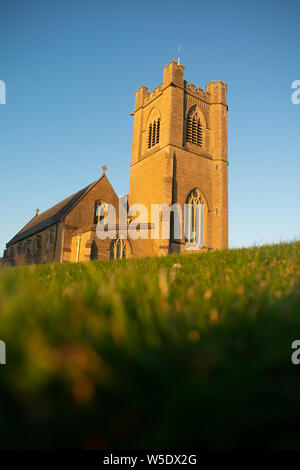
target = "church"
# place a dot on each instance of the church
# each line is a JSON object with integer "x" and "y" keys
{"x": 179, "y": 156}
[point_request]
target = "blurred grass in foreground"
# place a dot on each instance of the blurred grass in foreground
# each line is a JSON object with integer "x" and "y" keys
{"x": 175, "y": 352}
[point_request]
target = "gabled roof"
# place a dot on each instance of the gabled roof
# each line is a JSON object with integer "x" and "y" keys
{"x": 50, "y": 216}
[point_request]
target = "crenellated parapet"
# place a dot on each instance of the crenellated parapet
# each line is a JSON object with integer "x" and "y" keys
{"x": 215, "y": 91}
{"x": 173, "y": 76}
{"x": 197, "y": 92}
{"x": 143, "y": 97}
{"x": 153, "y": 94}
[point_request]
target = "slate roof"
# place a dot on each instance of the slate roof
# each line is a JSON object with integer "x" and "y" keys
{"x": 49, "y": 217}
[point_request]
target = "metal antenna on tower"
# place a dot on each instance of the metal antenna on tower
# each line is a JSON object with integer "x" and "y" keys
{"x": 178, "y": 63}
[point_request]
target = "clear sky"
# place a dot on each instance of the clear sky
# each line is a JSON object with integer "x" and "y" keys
{"x": 71, "y": 70}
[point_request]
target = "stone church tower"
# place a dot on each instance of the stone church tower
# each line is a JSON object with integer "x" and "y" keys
{"x": 179, "y": 155}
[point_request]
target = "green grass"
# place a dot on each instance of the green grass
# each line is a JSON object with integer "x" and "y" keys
{"x": 182, "y": 351}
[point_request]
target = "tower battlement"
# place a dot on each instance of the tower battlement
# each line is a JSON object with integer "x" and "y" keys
{"x": 173, "y": 75}
{"x": 153, "y": 94}
{"x": 197, "y": 91}
{"x": 215, "y": 91}
{"x": 144, "y": 97}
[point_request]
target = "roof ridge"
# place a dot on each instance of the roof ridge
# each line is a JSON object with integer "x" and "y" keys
{"x": 52, "y": 217}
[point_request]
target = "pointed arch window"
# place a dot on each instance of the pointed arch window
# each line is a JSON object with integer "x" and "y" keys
{"x": 99, "y": 211}
{"x": 94, "y": 251}
{"x": 194, "y": 219}
{"x": 28, "y": 247}
{"x": 194, "y": 128}
{"x": 50, "y": 240}
{"x": 118, "y": 249}
{"x": 153, "y": 133}
{"x": 37, "y": 244}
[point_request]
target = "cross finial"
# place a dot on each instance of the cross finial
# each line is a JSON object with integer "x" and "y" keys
{"x": 37, "y": 211}
{"x": 104, "y": 168}
{"x": 178, "y": 63}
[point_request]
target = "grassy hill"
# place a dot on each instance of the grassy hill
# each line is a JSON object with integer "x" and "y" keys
{"x": 183, "y": 351}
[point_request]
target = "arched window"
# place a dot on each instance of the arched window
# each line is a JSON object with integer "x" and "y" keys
{"x": 51, "y": 240}
{"x": 28, "y": 247}
{"x": 118, "y": 249}
{"x": 153, "y": 133}
{"x": 194, "y": 128}
{"x": 37, "y": 245}
{"x": 99, "y": 211}
{"x": 94, "y": 251}
{"x": 194, "y": 219}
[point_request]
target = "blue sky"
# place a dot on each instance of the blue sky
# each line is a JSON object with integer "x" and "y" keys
{"x": 72, "y": 68}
